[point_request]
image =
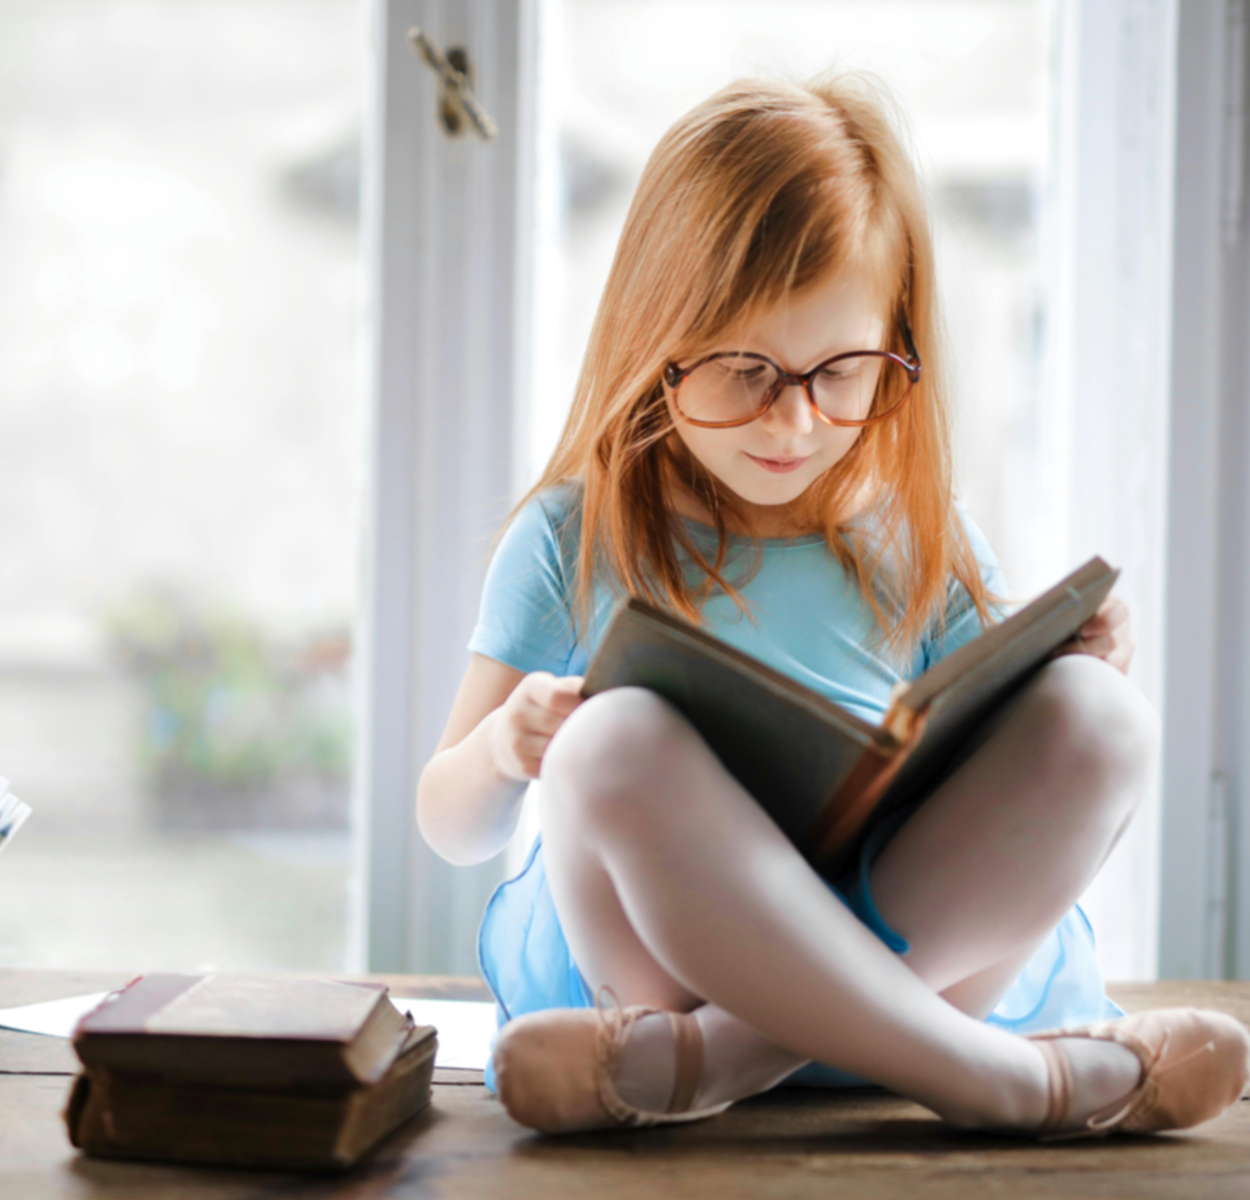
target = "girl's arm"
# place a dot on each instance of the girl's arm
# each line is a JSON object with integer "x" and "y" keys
{"x": 469, "y": 795}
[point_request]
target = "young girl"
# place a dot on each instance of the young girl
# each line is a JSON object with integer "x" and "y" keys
{"x": 759, "y": 443}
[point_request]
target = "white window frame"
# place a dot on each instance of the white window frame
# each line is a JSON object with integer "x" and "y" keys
{"x": 447, "y": 238}
{"x": 1150, "y": 356}
{"x": 1205, "y": 889}
{"x": 1147, "y": 343}
{"x": 1108, "y": 246}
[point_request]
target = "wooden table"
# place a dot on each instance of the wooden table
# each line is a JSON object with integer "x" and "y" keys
{"x": 789, "y": 1144}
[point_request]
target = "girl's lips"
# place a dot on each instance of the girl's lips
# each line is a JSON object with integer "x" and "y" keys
{"x": 779, "y": 465}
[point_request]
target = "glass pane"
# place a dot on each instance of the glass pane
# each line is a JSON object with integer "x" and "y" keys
{"x": 973, "y": 80}
{"x": 178, "y": 406}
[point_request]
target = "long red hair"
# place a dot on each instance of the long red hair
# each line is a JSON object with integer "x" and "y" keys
{"x": 761, "y": 191}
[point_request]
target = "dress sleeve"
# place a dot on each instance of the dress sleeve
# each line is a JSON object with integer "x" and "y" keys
{"x": 962, "y": 622}
{"x": 525, "y": 620}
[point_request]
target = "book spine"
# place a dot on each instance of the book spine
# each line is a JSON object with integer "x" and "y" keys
{"x": 837, "y": 830}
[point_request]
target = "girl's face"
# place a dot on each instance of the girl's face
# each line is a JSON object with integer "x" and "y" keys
{"x": 772, "y": 460}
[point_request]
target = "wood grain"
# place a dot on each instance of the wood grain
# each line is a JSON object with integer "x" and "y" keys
{"x": 792, "y": 1143}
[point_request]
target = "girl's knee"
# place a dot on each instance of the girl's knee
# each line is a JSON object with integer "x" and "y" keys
{"x": 1092, "y": 721}
{"x": 609, "y": 747}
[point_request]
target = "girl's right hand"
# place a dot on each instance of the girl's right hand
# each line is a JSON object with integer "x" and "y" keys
{"x": 527, "y": 721}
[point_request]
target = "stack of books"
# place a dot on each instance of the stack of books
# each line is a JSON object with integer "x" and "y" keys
{"x": 246, "y": 1070}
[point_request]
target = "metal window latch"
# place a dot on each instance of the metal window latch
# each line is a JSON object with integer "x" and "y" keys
{"x": 458, "y": 107}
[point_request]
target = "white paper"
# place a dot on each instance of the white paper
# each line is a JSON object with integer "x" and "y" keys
{"x": 465, "y": 1027}
{"x": 56, "y": 1018}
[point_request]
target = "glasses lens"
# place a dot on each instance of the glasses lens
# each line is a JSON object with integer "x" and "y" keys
{"x": 730, "y": 387}
{"x": 845, "y": 390}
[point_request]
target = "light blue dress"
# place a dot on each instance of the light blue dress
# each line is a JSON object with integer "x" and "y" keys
{"x": 809, "y": 621}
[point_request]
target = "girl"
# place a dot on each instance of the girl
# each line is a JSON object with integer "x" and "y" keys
{"x": 759, "y": 443}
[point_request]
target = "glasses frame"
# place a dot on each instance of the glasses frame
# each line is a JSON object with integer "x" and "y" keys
{"x": 675, "y": 375}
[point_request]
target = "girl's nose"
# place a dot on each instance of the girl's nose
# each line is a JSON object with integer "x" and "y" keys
{"x": 790, "y": 413}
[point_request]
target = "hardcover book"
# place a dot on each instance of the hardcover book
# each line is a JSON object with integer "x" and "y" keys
{"x": 239, "y": 1030}
{"x": 118, "y": 1116}
{"x": 248, "y": 1070}
{"x": 822, "y": 773}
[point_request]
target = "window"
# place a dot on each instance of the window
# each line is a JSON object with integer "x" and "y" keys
{"x": 179, "y": 411}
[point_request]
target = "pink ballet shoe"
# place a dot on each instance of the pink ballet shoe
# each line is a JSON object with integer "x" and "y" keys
{"x": 1195, "y": 1063}
{"x": 555, "y": 1069}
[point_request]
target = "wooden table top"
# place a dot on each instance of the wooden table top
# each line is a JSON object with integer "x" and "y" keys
{"x": 792, "y": 1143}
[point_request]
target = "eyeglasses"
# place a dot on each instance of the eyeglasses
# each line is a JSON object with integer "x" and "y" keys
{"x": 735, "y": 386}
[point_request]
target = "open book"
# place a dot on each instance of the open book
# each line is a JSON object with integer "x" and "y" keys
{"x": 822, "y": 773}
{"x": 12, "y": 813}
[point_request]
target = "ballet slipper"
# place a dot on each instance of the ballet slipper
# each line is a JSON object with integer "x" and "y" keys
{"x": 555, "y": 1069}
{"x": 1195, "y": 1063}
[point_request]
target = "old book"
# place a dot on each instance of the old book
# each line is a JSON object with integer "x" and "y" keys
{"x": 238, "y": 1030}
{"x": 119, "y": 1116}
{"x": 821, "y": 772}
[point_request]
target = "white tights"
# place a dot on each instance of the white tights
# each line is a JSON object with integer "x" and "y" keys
{"x": 675, "y": 888}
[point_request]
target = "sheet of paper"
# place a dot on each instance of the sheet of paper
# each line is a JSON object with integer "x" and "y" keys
{"x": 465, "y": 1027}
{"x": 54, "y": 1017}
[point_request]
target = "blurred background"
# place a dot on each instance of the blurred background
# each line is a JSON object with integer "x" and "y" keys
{"x": 179, "y": 415}
{"x": 181, "y": 412}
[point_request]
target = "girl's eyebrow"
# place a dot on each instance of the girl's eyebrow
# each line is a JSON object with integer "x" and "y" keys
{"x": 743, "y": 347}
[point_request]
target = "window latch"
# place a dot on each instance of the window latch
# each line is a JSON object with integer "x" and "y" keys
{"x": 458, "y": 108}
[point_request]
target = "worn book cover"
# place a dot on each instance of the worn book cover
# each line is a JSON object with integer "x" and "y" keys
{"x": 822, "y": 773}
{"x": 240, "y": 1030}
{"x": 144, "y": 1117}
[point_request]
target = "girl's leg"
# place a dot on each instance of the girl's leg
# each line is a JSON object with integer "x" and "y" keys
{"x": 673, "y": 885}
{"x": 990, "y": 863}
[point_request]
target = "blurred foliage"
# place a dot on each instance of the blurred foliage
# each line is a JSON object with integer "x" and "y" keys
{"x": 228, "y": 703}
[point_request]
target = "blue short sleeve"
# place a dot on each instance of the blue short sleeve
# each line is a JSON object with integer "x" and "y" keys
{"x": 525, "y": 618}
{"x": 962, "y": 621}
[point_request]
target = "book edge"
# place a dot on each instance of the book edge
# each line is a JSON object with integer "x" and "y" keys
{"x": 767, "y": 677}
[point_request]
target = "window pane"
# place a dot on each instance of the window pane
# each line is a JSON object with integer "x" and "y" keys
{"x": 179, "y": 411}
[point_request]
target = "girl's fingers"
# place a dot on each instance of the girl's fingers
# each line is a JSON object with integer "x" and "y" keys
{"x": 1099, "y": 647}
{"x": 1106, "y": 635}
{"x": 1111, "y": 614}
{"x": 543, "y": 721}
{"x": 561, "y": 695}
{"x": 531, "y": 745}
{"x": 567, "y": 694}
{"x": 529, "y": 750}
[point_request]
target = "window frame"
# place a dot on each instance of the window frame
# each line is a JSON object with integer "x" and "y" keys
{"x": 446, "y": 228}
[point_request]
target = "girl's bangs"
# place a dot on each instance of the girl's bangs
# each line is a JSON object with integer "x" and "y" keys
{"x": 806, "y": 236}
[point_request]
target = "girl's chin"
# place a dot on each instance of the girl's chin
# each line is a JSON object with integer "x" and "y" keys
{"x": 781, "y": 489}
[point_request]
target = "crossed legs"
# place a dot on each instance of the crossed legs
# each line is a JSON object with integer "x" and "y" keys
{"x": 677, "y": 890}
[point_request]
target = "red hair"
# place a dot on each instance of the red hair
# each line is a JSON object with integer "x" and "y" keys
{"x": 763, "y": 190}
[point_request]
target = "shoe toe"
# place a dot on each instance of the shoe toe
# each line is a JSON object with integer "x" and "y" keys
{"x": 546, "y": 1071}
{"x": 1204, "y": 1068}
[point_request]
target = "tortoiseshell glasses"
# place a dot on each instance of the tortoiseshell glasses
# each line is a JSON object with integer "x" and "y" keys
{"x": 733, "y": 387}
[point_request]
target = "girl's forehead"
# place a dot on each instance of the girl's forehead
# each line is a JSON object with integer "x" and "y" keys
{"x": 840, "y": 312}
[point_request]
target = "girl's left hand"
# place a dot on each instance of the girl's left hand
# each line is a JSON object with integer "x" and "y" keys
{"x": 1107, "y": 635}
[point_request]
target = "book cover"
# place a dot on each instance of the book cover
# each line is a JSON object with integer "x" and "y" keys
{"x": 140, "y": 1117}
{"x": 245, "y": 1030}
{"x": 822, "y": 773}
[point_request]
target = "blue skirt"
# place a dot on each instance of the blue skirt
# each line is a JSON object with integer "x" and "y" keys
{"x": 527, "y": 963}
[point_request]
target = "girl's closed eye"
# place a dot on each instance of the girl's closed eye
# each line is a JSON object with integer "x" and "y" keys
{"x": 842, "y": 371}
{"x": 741, "y": 369}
